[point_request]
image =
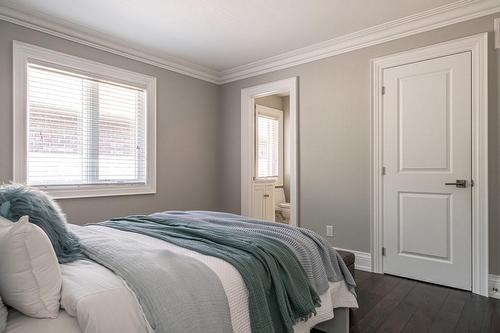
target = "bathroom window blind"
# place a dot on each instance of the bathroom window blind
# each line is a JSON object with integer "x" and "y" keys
{"x": 83, "y": 130}
{"x": 268, "y": 146}
{"x": 269, "y": 153}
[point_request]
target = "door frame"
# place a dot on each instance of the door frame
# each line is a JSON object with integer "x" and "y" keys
{"x": 478, "y": 46}
{"x": 248, "y": 96}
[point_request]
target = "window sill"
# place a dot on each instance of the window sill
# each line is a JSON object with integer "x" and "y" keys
{"x": 266, "y": 180}
{"x": 94, "y": 191}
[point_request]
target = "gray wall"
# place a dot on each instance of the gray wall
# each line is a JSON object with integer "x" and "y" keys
{"x": 334, "y": 137}
{"x": 187, "y": 134}
{"x": 199, "y": 136}
{"x": 271, "y": 101}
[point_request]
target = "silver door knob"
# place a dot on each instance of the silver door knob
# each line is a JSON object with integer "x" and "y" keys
{"x": 461, "y": 183}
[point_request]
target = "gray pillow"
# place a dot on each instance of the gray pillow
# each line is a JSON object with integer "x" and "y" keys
{"x": 3, "y": 316}
{"x": 17, "y": 200}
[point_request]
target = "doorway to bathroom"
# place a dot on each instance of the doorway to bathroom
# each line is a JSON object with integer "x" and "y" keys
{"x": 269, "y": 186}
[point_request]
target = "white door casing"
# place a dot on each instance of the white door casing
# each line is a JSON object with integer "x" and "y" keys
{"x": 426, "y": 144}
{"x": 477, "y": 45}
{"x": 248, "y": 96}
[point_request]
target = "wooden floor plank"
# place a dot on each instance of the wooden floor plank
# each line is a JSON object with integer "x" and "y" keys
{"x": 383, "y": 309}
{"x": 491, "y": 322}
{"x": 396, "y": 305}
{"x": 473, "y": 314}
{"x": 371, "y": 292}
{"x": 399, "y": 318}
{"x": 361, "y": 276}
{"x": 428, "y": 302}
{"x": 447, "y": 318}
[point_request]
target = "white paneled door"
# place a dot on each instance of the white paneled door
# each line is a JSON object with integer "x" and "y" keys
{"x": 427, "y": 160}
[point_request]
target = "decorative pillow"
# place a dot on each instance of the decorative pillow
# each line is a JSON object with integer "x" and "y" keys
{"x": 30, "y": 277}
{"x": 18, "y": 200}
{"x": 3, "y": 316}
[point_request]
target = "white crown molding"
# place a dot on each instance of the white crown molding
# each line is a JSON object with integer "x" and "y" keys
{"x": 458, "y": 11}
{"x": 88, "y": 38}
{"x": 439, "y": 17}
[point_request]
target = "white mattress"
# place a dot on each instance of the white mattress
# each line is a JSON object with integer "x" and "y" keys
{"x": 101, "y": 302}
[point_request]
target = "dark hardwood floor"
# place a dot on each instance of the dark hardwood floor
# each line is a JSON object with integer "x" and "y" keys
{"x": 392, "y": 304}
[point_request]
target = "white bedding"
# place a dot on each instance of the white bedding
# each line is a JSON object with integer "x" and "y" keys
{"x": 19, "y": 323}
{"x": 102, "y": 303}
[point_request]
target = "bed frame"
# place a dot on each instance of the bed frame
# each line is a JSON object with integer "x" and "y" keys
{"x": 338, "y": 324}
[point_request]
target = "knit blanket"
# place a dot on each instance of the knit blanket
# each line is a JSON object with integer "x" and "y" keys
{"x": 283, "y": 267}
{"x": 171, "y": 288}
{"x": 319, "y": 259}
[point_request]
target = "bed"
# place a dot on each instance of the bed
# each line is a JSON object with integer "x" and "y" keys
{"x": 96, "y": 298}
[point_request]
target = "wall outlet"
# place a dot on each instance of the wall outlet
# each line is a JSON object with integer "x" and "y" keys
{"x": 329, "y": 230}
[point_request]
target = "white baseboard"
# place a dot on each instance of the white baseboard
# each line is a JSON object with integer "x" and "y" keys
{"x": 363, "y": 260}
{"x": 494, "y": 286}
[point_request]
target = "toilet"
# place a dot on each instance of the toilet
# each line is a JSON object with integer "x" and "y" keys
{"x": 281, "y": 207}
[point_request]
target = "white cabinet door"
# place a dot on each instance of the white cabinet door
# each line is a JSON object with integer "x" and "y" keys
{"x": 258, "y": 202}
{"x": 263, "y": 200}
{"x": 427, "y": 143}
{"x": 269, "y": 214}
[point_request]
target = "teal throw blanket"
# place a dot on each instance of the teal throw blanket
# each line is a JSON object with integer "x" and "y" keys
{"x": 280, "y": 293}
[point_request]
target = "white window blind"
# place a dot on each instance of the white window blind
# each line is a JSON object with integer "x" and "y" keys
{"x": 268, "y": 146}
{"x": 83, "y": 130}
{"x": 269, "y": 143}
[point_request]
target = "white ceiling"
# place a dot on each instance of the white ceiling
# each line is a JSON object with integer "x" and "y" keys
{"x": 218, "y": 34}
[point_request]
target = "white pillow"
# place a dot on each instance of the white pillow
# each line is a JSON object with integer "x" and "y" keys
{"x": 30, "y": 277}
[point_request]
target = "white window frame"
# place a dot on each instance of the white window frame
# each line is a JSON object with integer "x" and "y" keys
{"x": 23, "y": 54}
{"x": 278, "y": 115}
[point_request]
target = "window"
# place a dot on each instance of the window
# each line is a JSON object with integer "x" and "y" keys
{"x": 269, "y": 144}
{"x": 82, "y": 128}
